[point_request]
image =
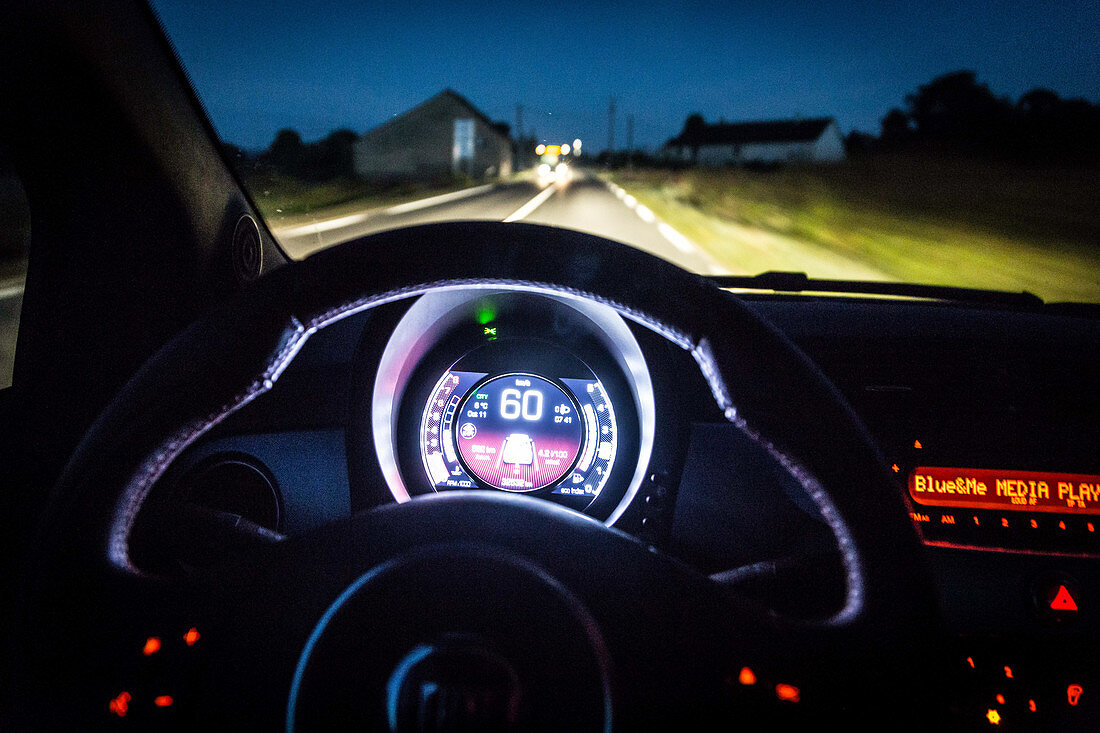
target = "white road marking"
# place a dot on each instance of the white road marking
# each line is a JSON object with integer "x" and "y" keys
{"x": 440, "y": 199}
{"x": 531, "y": 205}
{"x": 322, "y": 226}
{"x": 344, "y": 221}
{"x": 11, "y": 292}
{"x": 681, "y": 242}
{"x": 646, "y": 214}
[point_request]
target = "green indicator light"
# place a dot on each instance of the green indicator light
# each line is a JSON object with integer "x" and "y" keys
{"x": 490, "y": 330}
{"x": 486, "y": 314}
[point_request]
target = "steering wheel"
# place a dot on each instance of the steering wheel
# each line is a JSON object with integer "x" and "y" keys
{"x": 467, "y": 610}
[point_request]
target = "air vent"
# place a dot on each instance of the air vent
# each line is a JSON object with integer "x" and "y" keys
{"x": 247, "y": 249}
{"x": 234, "y": 484}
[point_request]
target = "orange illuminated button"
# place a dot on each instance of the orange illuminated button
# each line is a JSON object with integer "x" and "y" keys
{"x": 788, "y": 693}
{"x": 120, "y": 704}
{"x": 747, "y": 676}
{"x": 993, "y": 717}
{"x": 163, "y": 701}
{"x": 191, "y": 636}
{"x": 1073, "y": 694}
{"x": 152, "y": 646}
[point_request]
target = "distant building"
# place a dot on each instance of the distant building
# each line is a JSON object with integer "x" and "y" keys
{"x": 445, "y": 133}
{"x": 774, "y": 141}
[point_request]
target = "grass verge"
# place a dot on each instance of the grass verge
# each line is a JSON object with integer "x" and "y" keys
{"x": 961, "y": 223}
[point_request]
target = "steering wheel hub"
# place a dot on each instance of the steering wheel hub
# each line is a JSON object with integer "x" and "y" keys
{"x": 453, "y": 637}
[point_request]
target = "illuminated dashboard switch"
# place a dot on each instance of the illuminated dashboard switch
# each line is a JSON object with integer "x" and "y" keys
{"x": 518, "y": 449}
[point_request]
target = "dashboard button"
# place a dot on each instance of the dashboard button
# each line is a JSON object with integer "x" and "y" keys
{"x": 1057, "y": 599}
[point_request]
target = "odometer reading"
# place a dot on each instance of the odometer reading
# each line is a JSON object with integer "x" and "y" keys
{"x": 519, "y": 432}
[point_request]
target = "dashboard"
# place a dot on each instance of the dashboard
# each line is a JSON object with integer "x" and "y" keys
{"x": 987, "y": 417}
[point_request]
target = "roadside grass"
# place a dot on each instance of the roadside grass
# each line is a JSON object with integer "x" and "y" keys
{"x": 950, "y": 222}
{"x": 286, "y": 201}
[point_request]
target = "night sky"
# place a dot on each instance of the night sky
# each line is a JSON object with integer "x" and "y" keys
{"x": 318, "y": 66}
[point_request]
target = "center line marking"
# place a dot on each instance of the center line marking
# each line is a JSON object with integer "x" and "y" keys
{"x": 531, "y": 205}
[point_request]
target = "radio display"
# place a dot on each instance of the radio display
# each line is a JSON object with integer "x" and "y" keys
{"x": 979, "y": 488}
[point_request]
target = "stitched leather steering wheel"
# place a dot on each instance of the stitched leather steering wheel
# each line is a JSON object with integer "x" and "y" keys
{"x": 390, "y": 617}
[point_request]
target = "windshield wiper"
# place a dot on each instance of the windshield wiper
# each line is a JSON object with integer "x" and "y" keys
{"x": 798, "y": 282}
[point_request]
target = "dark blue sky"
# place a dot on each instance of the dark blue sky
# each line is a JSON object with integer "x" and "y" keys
{"x": 316, "y": 66}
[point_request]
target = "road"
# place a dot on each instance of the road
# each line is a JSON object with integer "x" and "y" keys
{"x": 586, "y": 203}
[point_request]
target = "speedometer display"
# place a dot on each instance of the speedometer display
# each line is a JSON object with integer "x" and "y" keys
{"x": 518, "y": 432}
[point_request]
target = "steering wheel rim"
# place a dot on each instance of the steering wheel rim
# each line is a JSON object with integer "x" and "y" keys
{"x": 760, "y": 381}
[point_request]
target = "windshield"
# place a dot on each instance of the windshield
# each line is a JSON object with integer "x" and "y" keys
{"x": 863, "y": 141}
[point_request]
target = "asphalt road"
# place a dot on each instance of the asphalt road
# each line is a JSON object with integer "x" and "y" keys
{"x": 585, "y": 203}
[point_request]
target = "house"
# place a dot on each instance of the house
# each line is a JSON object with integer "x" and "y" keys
{"x": 815, "y": 140}
{"x": 444, "y": 134}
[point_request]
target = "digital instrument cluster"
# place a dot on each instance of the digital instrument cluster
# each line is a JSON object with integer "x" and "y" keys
{"x": 518, "y": 392}
{"x": 518, "y": 432}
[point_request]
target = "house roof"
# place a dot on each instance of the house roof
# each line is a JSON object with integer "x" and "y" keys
{"x": 443, "y": 94}
{"x": 739, "y": 133}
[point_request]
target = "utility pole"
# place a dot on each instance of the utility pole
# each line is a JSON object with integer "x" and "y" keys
{"x": 629, "y": 140}
{"x": 611, "y": 127}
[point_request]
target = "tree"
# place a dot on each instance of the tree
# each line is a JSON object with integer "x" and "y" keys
{"x": 955, "y": 112}
{"x": 286, "y": 153}
{"x": 897, "y": 130}
{"x": 331, "y": 157}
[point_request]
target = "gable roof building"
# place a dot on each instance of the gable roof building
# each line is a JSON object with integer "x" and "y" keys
{"x": 816, "y": 140}
{"x": 443, "y": 134}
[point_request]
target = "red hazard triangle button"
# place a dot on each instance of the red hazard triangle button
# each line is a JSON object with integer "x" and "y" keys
{"x": 1063, "y": 600}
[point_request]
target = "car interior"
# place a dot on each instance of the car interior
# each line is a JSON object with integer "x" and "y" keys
{"x": 503, "y": 476}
